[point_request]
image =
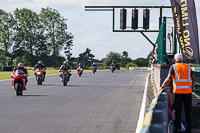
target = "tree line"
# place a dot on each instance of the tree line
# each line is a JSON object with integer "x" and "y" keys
{"x": 119, "y": 59}
{"x": 27, "y": 36}
{"x": 123, "y": 60}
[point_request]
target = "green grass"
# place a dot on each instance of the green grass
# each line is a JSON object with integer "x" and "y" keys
{"x": 7, "y": 75}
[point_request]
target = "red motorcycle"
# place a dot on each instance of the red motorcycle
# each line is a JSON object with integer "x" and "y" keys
{"x": 19, "y": 82}
{"x": 80, "y": 71}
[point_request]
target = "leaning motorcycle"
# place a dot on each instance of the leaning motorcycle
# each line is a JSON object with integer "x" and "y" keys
{"x": 39, "y": 76}
{"x": 65, "y": 77}
{"x": 19, "y": 82}
{"x": 80, "y": 71}
{"x": 94, "y": 69}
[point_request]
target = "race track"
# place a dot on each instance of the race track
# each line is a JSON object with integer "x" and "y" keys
{"x": 94, "y": 103}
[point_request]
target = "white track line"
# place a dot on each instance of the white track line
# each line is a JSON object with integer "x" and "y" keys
{"x": 142, "y": 109}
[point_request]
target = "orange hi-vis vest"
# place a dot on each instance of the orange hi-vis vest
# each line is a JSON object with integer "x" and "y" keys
{"x": 182, "y": 82}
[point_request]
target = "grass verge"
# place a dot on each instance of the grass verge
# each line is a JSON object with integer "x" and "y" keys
{"x": 7, "y": 75}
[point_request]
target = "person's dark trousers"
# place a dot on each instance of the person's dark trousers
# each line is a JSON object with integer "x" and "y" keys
{"x": 186, "y": 99}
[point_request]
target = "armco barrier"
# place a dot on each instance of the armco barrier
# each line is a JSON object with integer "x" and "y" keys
{"x": 156, "y": 117}
{"x": 196, "y": 88}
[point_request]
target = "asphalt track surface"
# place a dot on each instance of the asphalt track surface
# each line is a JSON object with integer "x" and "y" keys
{"x": 104, "y": 102}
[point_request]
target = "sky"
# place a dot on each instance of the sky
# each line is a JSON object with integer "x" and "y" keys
{"x": 93, "y": 29}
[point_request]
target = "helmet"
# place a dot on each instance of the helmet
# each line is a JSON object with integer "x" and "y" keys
{"x": 65, "y": 62}
{"x": 93, "y": 62}
{"x": 20, "y": 65}
{"x": 39, "y": 62}
{"x": 79, "y": 64}
{"x": 112, "y": 63}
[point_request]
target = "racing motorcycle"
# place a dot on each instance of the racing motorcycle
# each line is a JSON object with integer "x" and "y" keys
{"x": 112, "y": 69}
{"x": 65, "y": 78}
{"x": 80, "y": 71}
{"x": 19, "y": 82}
{"x": 39, "y": 76}
{"x": 94, "y": 69}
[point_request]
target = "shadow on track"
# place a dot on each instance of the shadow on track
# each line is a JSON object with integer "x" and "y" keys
{"x": 84, "y": 76}
{"x": 35, "y": 95}
{"x": 74, "y": 86}
{"x": 49, "y": 85}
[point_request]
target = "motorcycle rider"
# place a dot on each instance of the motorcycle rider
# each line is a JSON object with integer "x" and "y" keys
{"x": 94, "y": 65}
{"x": 20, "y": 66}
{"x": 40, "y": 65}
{"x": 65, "y": 67}
{"x": 80, "y": 65}
{"x": 112, "y": 65}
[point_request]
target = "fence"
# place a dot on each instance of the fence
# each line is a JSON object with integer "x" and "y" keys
{"x": 166, "y": 43}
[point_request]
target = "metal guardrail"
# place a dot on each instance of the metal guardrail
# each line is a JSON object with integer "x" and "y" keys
{"x": 196, "y": 88}
{"x": 156, "y": 117}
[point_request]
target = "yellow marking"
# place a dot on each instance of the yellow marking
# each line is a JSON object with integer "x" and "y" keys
{"x": 131, "y": 68}
{"x": 154, "y": 101}
{"x": 147, "y": 119}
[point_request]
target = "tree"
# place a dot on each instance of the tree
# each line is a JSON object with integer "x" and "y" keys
{"x": 86, "y": 57}
{"x": 6, "y": 30}
{"x": 141, "y": 62}
{"x": 26, "y": 30}
{"x": 25, "y": 59}
{"x": 32, "y": 36}
{"x": 125, "y": 59}
{"x": 68, "y": 46}
{"x": 112, "y": 57}
{"x": 55, "y": 30}
{"x": 124, "y": 54}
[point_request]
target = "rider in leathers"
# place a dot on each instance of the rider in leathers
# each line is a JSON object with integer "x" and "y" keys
{"x": 65, "y": 67}
{"x": 94, "y": 65}
{"x": 21, "y": 67}
{"x": 41, "y": 66}
{"x": 80, "y": 65}
{"x": 112, "y": 65}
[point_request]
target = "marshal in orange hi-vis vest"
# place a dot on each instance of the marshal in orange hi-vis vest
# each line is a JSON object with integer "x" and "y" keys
{"x": 182, "y": 82}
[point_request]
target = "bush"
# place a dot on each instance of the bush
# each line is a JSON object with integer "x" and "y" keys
{"x": 24, "y": 59}
{"x": 100, "y": 68}
{"x": 131, "y": 65}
